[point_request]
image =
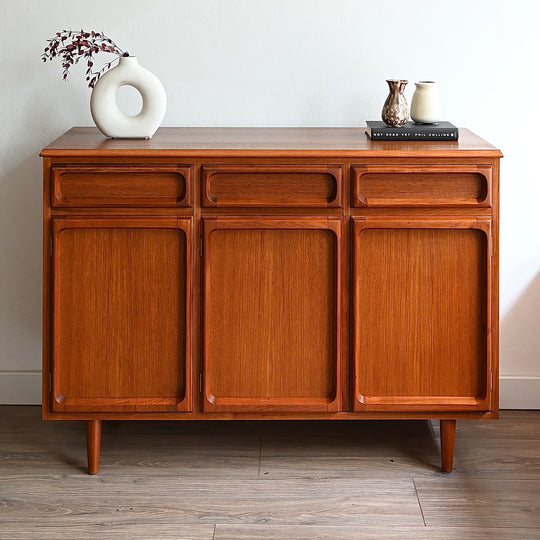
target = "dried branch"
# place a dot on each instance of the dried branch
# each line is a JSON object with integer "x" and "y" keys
{"x": 70, "y": 47}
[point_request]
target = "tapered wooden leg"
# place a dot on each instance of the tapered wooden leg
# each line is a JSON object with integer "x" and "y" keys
{"x": 448, "y": 437}
{"x": 93, "y": 444}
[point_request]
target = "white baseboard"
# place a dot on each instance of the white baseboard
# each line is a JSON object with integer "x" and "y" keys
{"x": 519, "y": 392}
{"x": 24, "y": 388}
{"x": 20, "y": 387}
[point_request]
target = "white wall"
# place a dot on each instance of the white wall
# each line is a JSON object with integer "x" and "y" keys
{"x": 278, "y": 63}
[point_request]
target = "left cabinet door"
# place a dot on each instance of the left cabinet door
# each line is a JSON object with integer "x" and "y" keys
{"x": 121, "y": 314}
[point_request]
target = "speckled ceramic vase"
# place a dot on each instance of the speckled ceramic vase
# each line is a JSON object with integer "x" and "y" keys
{"x": 395, "y": 111}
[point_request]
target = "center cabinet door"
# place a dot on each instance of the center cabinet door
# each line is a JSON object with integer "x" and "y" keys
{"x": 273, "y": 303}
{"x": 121, "y": 311}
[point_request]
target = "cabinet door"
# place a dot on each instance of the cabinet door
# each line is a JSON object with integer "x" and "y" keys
{"x": 421, "y": 314}
{"x": 272, "y": 314}
{"x": 121, "y": 314}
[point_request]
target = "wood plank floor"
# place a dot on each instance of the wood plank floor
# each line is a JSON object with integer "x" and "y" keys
{"x": 278, "y": 480}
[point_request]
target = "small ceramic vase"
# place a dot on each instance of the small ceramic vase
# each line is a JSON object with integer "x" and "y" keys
{"x": 395, "y": 112}
{"x": 110, "y": 120}
{"x": 425, "y": 104}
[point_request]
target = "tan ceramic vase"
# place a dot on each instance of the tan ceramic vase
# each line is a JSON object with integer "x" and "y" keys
{"x": 425, "y": 104}
{"x": 395, "y": 111}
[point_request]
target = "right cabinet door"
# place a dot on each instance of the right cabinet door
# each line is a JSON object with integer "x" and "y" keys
{"x": 421, "y": 335}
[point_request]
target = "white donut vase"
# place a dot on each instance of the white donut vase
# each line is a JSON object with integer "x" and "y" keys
{"x": 110, "y": 120}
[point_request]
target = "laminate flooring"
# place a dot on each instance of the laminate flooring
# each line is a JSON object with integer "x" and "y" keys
{"x": 259, "y": 480}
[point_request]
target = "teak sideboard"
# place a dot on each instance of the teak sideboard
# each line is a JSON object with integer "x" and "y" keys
{"x": 272, "y": 273}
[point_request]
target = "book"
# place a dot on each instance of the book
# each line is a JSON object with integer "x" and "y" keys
{"x": 443, "y": 131}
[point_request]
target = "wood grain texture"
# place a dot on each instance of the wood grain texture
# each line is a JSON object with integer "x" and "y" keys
{"x": 272, "y": 314}
{"x": 46, "y": 345}
{"x": 93, "y": 445}
{"x": 210, "y": 500}
{"x": 273, "y": 142}
{"x": 111, "y": 530}
{"x": 509, "y": 448}
{"x": 423, "y": 292}
{"x": 252, "y": 185}
{"x": 122, "y": 292}
{"x": 367, "y": 532}
{"x": 487, "y": 502}
{"x": 448, "y": 437}
{"x": 128, "y": 185}
{"x": 421, "y": 314}
{"x": 363, "y": 449}
{"x": 155, "y": 492}
{"x": 421, "y": 185}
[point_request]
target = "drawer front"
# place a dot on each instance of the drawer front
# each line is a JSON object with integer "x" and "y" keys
{"x": 317, "y": 186}
{"x": 84, "y": 186}
{"x": 421, "y": 185}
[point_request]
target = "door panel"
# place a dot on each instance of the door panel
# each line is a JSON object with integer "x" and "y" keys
{"x": 121, "y": 314}
{"x": 272, "y": 305}
{"x": 421, "y": 314}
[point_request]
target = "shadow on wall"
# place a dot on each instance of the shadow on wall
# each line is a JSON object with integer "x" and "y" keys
{"x": 20, "y": 267}
{"x": 520, "y": 334}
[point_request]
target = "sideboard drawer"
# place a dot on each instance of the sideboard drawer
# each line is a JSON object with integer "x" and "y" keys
{"x": 315, "y": 186}
{"x": 145, "y": 185}
{"x": 421, "y": 185}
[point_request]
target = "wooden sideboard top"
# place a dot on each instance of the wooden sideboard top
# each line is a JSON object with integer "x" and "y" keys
{"x": 261, "y": 142}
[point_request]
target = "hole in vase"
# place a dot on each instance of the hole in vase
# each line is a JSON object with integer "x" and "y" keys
{"x": 129, "y": 100}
